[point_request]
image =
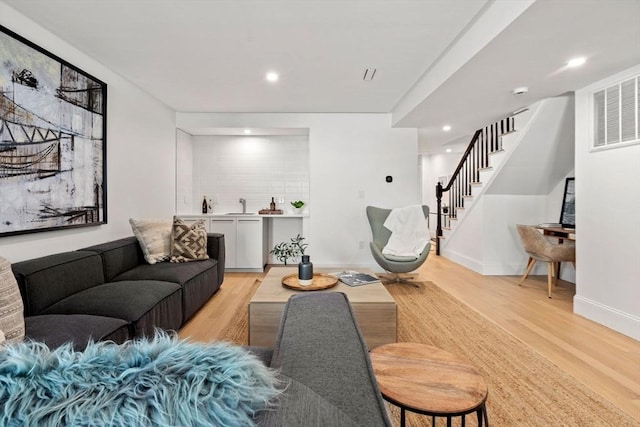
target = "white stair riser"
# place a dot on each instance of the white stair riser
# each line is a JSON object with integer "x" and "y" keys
{"x": 496, "y": 158}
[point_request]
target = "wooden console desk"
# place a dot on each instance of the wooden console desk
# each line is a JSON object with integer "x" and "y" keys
{"x": 559, "y": 232}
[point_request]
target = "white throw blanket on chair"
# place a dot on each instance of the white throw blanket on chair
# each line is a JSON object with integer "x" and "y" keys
{"x": 409, "y": 233}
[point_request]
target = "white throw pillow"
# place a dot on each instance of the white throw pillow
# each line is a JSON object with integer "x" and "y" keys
{"x": 154, "y": 236}
{"x": 11, "y": 308}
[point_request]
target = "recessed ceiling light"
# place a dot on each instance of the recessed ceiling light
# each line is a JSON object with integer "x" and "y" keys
{"x": 520, "y": 90}
{"x": 576, "y": 62}
{"x": 446, "y": 128}
{"x": 448, "y": 150}
{"x": 272, "y": 76}
{"x": 247, "y": 131}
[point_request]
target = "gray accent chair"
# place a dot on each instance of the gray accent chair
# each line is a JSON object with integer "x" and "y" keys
{"x": 393, "y": 265}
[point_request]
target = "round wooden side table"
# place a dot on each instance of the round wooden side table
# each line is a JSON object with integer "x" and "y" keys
{"x": 429, "y": 381}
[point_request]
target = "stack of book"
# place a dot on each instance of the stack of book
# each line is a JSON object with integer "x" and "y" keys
{"x": 355, "y": 278}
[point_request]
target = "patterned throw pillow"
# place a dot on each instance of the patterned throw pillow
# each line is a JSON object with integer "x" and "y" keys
{"x": 188, "y": 241}
{"x": 154, "y": 236}
{"x": 11, "y": 315}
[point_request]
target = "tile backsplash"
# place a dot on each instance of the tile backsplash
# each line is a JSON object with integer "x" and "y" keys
{"x": 256, "y": 168}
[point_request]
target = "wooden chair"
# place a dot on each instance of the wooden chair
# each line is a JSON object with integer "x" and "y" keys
{"x": 542, "y": 248}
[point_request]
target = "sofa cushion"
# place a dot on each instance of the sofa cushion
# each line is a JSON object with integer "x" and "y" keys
{"x": 263, "y": 353}
{"x": 11, "y": 308}
{"x": 199, "y": 280}
{"x": 57, "y": 329}
{"x": 45, "y": 281}
{"x": 118, "y": 256}
{"x": 301, "y": 406}
{"x": 154, "y": 236}
{"x": 145, "y": 304}
{"x": 333, "y": 360}
{"x": 188, "y": 241}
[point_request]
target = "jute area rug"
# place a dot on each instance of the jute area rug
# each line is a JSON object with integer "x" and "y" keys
{"x": 525, "y": 389}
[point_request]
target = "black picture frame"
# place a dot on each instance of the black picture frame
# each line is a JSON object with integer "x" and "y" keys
{"x": 568, "y": 213}
{"x": 53, "y": 141}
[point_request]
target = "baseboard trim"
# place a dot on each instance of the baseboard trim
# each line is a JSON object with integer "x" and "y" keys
{"x": 463, "y": 260}
{"x": 625, "y": 323}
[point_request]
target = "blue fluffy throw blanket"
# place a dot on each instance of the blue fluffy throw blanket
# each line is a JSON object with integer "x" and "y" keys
{"x": 154, "y": 382}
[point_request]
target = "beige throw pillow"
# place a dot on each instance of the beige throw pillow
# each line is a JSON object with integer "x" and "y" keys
{"x": 154, "y": 236}
{"x": 188, "y": 241}
{"x": 11, "y": 309}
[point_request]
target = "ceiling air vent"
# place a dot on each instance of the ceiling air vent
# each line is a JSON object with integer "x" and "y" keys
{"x": 368, "y": 74}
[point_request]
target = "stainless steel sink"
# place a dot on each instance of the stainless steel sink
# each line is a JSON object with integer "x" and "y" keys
{"x": 241, "y": 213}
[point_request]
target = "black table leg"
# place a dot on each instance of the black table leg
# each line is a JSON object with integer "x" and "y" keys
{"x": 486, "y": 416}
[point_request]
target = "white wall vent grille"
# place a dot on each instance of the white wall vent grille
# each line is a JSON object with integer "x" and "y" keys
{"x": 616, "y": 114}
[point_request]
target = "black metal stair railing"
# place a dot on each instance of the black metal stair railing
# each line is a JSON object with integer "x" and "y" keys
{"x": 476, "y": 158}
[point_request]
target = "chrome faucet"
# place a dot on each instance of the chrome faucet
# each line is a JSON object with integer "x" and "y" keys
{"x": 244, "y": 205}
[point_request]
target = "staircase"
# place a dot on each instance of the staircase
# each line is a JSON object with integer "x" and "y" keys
{"x": 488, "y": 149}
{"x": 513, "y": 172}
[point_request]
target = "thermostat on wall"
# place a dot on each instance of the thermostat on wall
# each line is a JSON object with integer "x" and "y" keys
{"x": 389, "y": 178}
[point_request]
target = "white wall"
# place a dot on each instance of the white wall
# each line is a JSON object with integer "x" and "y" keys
{"x": 184, "y": 174}
{"x": 608, "y": 239}
{"x": 349, "y": 157}
{"x": 255, "y": 168}
{"x": 140, "y": 154}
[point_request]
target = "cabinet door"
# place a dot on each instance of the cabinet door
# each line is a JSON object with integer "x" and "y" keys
{"x": 249, "y": 248}
{"x": 227, "y": 226}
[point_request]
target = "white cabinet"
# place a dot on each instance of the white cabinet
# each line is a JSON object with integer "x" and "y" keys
{"x": 244, "y": 239}
{"x": 249, "y": 246}
{"x": 226, "y": 226}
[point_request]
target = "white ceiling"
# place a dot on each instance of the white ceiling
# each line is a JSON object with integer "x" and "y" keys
{"x": 212, "y": 55}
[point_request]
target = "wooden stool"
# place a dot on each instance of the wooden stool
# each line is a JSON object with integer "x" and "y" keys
{"x": 429, "y": 381}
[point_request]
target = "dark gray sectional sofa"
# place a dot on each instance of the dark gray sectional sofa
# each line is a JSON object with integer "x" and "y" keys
{"x": 109, "y": 292}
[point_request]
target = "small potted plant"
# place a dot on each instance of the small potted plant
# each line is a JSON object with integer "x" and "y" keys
{"x": 284, "y": 251}
{"x": 297, "y": 205}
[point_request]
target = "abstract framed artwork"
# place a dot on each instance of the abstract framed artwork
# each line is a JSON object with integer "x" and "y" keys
{"x": 53, "y": 134}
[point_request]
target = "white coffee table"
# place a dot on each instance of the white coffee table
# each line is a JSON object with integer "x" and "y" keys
{"x": 374, "y": 309}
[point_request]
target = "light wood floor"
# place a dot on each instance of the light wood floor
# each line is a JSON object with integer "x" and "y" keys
{"x": 605, "y": 361}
